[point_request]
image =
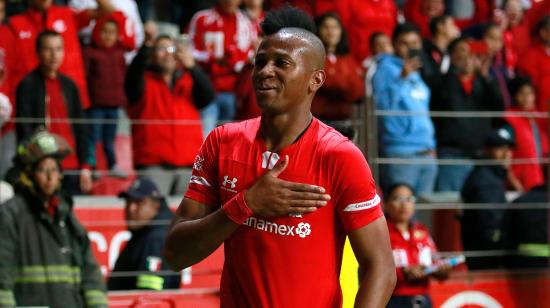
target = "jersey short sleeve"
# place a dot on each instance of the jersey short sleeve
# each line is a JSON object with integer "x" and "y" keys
{"x": 354, "y": 193}
{"x": 203, "y": 183}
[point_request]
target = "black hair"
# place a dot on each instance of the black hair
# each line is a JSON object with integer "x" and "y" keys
{"x": 111, "y": 20}
{"x": 517, "y": 83}
{"x": 403, "y": 28}
{"x": 342, "y": 48}
{"x": 287, "y": 17}
{"x": 298, "y": 23}
{"x": 373, "y": 37}
{"x": 393, "y": 187}
{"x": 455, "y": 43}
{"x": 541, "y": 24}
{"x": 436, "y": 21}
{"x": 504, "y": 3}
{"x": 43, "y": 35}
{"x": 163, "y": 37}
{"x": 488, "y": 27}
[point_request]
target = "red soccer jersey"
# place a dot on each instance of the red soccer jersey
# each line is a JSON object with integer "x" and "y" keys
{"x": 412, "y": 248}
{"x": 222, "y": 44}
{"x": 286, "y": 261}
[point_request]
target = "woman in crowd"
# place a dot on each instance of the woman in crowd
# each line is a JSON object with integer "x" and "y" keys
{"x": 344, "y": 76}
{"x": 530, "y": 134}
{"x": 413, "y": 250}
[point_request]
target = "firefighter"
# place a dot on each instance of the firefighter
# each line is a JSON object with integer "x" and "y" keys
{"x": 45, "y": 254}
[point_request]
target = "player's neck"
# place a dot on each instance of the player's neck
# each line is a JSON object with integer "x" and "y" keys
{"x": 280, "y": 131}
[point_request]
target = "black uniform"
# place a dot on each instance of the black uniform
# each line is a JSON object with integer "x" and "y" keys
{"x": 528, "y": 231}
{"x": 484, "y": 229}
{"x": 46, "y": 260}
{"x": 143, "y": 253}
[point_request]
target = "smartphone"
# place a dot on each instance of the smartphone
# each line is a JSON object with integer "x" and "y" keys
{"x": 183, "y": 39}
{"x": 478, "y": 47}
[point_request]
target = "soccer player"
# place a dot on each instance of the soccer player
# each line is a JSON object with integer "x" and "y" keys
{"x": 282, "y": 191}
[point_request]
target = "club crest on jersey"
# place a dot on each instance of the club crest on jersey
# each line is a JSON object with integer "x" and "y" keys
{"x": 269, "y": 159}
{"x": 229, "y": 184}
{"x": 197, "y": 165}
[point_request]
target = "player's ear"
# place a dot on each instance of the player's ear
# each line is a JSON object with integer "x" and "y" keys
{"x": 317, "y": 80}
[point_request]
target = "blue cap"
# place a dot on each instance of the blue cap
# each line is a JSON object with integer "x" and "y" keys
{"x": 503, "y": 136}
{"x": 140, "y": 189}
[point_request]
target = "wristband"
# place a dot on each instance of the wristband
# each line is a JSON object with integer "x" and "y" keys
{"x": 236, "y": 209}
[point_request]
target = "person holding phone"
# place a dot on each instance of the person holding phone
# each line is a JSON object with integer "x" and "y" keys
{"x": 398, "y": 86}
{"x": 413, "y": 250}
{"x": 164, "y": 83}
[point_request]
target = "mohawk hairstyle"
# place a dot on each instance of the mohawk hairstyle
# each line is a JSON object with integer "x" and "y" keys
{"x": 287, "y": 17}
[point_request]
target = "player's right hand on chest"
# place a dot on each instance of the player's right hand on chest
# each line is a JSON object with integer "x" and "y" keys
{"x": 271, "y": 196}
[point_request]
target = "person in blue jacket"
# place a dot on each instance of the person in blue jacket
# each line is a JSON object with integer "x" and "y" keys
{"x": 398, "y": 87}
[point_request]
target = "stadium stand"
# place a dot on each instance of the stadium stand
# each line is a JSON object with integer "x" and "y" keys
{"x": 503, "y": 39}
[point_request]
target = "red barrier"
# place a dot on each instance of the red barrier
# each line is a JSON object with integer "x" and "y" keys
{"x": 200, "y": 283}
{"x": 108, "y": 234}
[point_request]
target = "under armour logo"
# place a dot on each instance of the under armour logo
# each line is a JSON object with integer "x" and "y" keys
{"x": 226, "y": 181}
{"x": 269, "y": 159}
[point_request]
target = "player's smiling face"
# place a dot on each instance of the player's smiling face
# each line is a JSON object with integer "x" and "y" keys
{"x": 281, "y": 72}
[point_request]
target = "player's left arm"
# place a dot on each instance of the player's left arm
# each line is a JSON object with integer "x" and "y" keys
{"x": 371, "y": 245}
{"x": 358, "y": 206}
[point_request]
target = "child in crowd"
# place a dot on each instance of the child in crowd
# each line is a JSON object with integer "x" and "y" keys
{"x": 413, "y": 250}
{"x": 105, "y": 70}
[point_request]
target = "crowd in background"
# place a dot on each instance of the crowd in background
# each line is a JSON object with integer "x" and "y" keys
{"x": 64, "y": 62}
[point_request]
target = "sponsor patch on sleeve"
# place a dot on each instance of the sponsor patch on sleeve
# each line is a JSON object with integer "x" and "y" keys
{"x": 365, "y": 205}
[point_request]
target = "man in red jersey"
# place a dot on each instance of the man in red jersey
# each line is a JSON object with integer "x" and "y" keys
{"x": 282, "y": 191}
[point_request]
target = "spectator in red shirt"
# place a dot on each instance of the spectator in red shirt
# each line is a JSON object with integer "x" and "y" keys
{"x": 421, "y": 12}
{"x": 222, "y": 38}
{"x": 536, "y": 63}
{"x": 361, "y": 18}
{"x": 43, "y": 15}
{"x": 314, "y": 8}
{"x": 105, "y": 71}
{"x": 517, "y": 24}
{"x": 344, "y": 76}
{"x": 165, "y": 88}
{"x": 530, "y": 134}
{"x": 53, "y": 101}
{"x": 254, "y": 9}
{"x": 246, "y": 104}
{"x": 413, "y": 250}
{"x": 8, "y": 67}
